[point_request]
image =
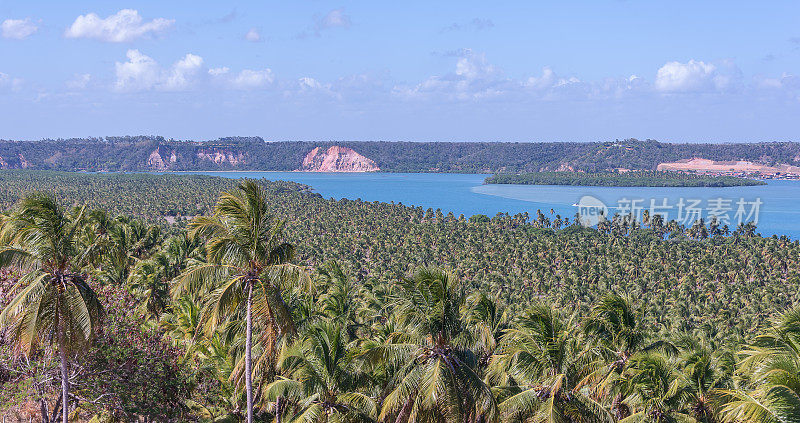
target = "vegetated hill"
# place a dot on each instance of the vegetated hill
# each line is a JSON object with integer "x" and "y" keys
{"x": 252, "y": 153}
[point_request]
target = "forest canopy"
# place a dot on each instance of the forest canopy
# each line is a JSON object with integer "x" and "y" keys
{"x": 252, "y": 153}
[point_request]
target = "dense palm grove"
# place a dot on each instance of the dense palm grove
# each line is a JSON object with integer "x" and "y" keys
{"x": 273, "y": 304}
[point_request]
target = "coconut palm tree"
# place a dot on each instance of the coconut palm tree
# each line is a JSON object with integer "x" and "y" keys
{"x": 245, "y": 256}
{"x": 56, "y": 304}
{"x": 657, "y": 390}
{"x": 538, "y": 369}
{"x": 771, "y": 371}
{"x": 437, "y": 379}
{"x": 615, "y": 327}
{"x": 322, "y": 383}
{"x": 337, "y": 301}
{"x": 487, "y": 320}
{"x": 707, "y": 368}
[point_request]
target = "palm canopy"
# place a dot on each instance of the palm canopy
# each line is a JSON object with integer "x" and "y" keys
{"x": 538, "y": 367}
{"x": 487, "y": 320}
{"x": 56, "y": 301}
{"x": 243, "y": 247}
{"x": 615, "y": 330}
{"x": 614, "y": 323}
{"x": 436, "y": 379}
{"x": 322, "y": 382}
{"x": 706, "y": 369}
{"x": 771, "y": 372}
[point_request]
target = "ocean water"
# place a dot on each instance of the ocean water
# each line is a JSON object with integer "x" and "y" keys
{"x": 775, "y": 206}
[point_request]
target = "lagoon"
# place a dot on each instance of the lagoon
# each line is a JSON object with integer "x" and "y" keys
{"x": 778, "y": 201}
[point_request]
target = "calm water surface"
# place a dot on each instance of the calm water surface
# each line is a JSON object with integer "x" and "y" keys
{"x": 465, "y": 193}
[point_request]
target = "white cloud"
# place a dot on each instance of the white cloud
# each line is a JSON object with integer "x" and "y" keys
{"x": 252, "y": 35}
{"x": 252, "y": 79}
{"x": 126, "y": 25}
{"x": 473, "y": 78}
{"x": 546, "y": 81}
{"x": 334, "y": 19}
{"x": 79, "y": 81}
{"x": 474, "y": 66}
{"x": 476, "y": 24}
{"x": 142, "y": 73}
{"x": 785, "y": 83}
{"x": 218, "y": 71}
{"x": 18, "y": 29}
{"x": 310, "y": 85}
{"x": 7, "y": 82}
{"x": 690, "y": 76}
{"x": 183, "y": 73}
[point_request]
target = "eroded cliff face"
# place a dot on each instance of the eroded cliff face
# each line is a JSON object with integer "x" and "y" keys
{"x": 160, "y": 160}
{"x": 166, "y": 159}
{"x": 19, "y": 163}
{"x": 337, "y": 159}
{"x": 220, "y": 156}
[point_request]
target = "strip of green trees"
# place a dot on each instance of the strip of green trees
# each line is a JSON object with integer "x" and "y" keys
{"x": 622, "y": 179}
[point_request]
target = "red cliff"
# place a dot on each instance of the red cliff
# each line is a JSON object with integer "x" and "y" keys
{"x": 337, "y": 159}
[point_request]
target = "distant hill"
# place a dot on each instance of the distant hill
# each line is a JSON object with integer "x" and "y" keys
{"x": 147, "y": 153}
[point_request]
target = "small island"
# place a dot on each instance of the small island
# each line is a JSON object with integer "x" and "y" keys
{"x": 623, "y": 179}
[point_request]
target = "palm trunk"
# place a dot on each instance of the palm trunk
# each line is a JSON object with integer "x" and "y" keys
{"x": 43, "y": 409}
{"x": 248, "y": 357}
{"x": 62, "y": 352}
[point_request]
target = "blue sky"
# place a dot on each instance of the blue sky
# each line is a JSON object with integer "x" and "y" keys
{"x": 422, "y": 71}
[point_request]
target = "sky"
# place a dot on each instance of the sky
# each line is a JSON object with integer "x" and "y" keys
{"x": 675, "y": 71}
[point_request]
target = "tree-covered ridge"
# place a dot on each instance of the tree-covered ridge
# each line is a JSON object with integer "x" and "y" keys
{"x": 393, "y": 313}
{"x": 238, "y": 153}
{"x": 621, "y": 179}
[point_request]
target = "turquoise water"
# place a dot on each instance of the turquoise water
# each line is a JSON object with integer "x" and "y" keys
{"x": 465, "y": 194}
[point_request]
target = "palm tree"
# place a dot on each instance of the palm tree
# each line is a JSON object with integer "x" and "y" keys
{"x": 323, "y": 381}
{"x": 147, "y": 283}
{"x": 615, "y": 326}
{"x": 437, "y": 379}
{"x": 56, "y": 303}
{"x": 538, "y": 367}
{"x": 487, "y": 320}
{"x": 245, "y": 254}
{"x": 337, "y": 302}
{"x": 657, "y": 390}
{"x": 706, "y": 369}
{"x": 771, "y": 370}
{"x": 149, "y": 279}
